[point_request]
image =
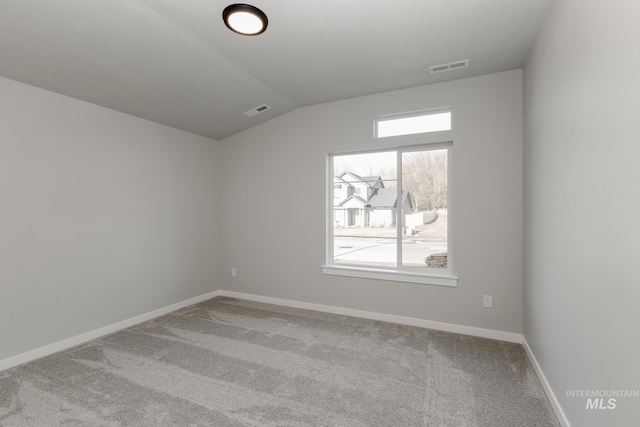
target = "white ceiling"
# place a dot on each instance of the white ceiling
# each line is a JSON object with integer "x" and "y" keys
{"x": 175, "y": 62}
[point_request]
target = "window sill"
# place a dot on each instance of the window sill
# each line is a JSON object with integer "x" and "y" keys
{"x": 391, "y": 275}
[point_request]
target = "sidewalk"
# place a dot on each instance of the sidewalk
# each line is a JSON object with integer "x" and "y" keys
{"x": 436, "y": 231}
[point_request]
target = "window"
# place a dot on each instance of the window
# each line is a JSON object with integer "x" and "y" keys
{"x": 398, "y": 229}
{"x": 336, "y": 191}
{"x": 412, "y": 123}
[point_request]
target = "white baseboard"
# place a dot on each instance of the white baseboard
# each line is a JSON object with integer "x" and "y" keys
{"x": 411, "y": 321}
{"x": 97, "y": 333}
{"x": 545, "y": 385}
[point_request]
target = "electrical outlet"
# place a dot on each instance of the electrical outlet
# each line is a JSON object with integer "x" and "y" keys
{"x": 234, "y": 272}
{"x": 487, "y": 301}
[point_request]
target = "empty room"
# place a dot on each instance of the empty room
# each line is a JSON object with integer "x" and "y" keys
{"x": 319, "y": 213}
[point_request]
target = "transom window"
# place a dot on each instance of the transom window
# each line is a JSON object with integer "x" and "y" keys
{"x": 412, "y": 123}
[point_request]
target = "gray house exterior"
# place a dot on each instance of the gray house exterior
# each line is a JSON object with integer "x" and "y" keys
{"x": 366, "y": 202}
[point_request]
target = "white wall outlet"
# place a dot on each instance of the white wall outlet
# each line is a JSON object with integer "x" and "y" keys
{"x": 234, "y": 272}
{"x": 487, "y": 301}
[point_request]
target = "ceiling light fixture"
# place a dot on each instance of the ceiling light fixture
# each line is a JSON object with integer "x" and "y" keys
{"x": 245, "y": 19}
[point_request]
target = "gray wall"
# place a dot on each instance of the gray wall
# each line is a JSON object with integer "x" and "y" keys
{"x": 582, "y": 235}
{"x": 273, "y": 217}
{"x": 103, "y": 217}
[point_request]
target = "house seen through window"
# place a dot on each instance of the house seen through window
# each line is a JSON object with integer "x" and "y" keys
{"x": 390, "y": 208}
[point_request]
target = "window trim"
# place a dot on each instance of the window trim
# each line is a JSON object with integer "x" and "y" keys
{"x": 393, "y": 275}
{"x": 399, "y": 273}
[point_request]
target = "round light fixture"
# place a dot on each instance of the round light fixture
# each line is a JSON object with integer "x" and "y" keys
{"x": 245, "y": 19}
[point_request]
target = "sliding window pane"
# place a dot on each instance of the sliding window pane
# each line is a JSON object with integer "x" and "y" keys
{"x": 424, "y": 208}
{"x": 364, "y": 220}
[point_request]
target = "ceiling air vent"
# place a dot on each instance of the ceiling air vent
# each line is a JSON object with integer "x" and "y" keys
{"x": 257, "y": 110}
{"x": 450, "y": 66}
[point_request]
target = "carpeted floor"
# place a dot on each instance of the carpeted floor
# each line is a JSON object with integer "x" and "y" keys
{"x": 228, "y": 362}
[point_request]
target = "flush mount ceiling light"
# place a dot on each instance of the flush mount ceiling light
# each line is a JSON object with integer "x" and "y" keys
{"x": 245, "y": 19}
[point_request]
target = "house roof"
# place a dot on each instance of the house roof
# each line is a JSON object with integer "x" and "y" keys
{"x": 380, "y": 197}
{"x": 359, "y": 199}
{"x": 370, "y": 181}
{"x": 387, "y": 198}
{"x": 338, "y": 179}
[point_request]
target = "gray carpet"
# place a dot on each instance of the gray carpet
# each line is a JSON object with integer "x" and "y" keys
{"x": 229, "y": 362}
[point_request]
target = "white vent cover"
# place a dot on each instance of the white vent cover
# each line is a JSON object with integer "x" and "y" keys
{"x": 450, "y": 66}
{"x": 257, "y": 110}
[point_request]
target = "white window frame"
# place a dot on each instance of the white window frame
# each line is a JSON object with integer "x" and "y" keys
{"x": 421, "y": 275}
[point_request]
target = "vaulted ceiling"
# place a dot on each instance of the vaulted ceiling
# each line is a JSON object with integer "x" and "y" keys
{"x": 175, "y": 62}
